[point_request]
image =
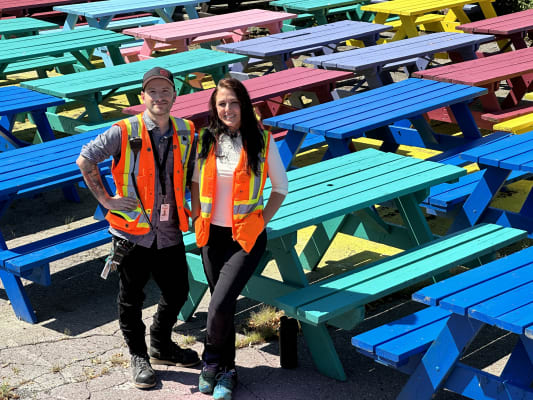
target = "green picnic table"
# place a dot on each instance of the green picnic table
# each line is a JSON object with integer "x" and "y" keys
{"x": 90, "y": 88}
{"x": 43, "y": 52}
{"x": 23, "y": 27}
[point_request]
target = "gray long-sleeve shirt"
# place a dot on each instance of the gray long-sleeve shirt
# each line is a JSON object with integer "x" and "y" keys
{"x": 108, "y": 144}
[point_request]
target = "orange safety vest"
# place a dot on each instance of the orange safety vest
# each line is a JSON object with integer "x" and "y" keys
{"x": 247, "y": 222}
{"x": 134, "y": 222}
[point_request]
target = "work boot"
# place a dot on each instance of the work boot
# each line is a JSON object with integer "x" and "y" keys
{"x": 143, "y": 374}
{"x": 226, "y": 381}
{"x": 173, "y": 355}
{"x": 206, "y": 381}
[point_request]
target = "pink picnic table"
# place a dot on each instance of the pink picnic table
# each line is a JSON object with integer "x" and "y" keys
{"x": 178, "y": 35}
{"x": 508, "y": 29}
{"x": 22, "y": 7}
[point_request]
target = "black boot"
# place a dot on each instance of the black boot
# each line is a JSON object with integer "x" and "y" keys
{"x": 143, "y": 374}
{"x": 172, "y": 354}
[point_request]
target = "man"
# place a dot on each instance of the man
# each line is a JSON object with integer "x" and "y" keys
{"x": 150, "y": 154}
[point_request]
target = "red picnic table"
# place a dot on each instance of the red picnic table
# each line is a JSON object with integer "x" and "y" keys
{"x": 515, "y": 67}
{"x": 509, "y": 29}
{"x": 267, "y": 93}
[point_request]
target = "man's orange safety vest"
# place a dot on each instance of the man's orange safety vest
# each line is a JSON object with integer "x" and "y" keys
{"x": 247, "y": 221}
{"x": 134, "y": 222}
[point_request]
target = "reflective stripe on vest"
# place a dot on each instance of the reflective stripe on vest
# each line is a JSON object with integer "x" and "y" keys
{"x": 134, "y": 221}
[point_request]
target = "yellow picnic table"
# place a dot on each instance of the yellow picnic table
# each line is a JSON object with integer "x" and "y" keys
{"x": 415, "y": 13}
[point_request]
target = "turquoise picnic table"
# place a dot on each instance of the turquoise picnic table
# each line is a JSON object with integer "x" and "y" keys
{"x": 65, "y": 50}
{"x": 100, "y": 14}
{"x": 318, "y": 10}
{"x": 25, "y": 26}
{"x": 90, "y": 88}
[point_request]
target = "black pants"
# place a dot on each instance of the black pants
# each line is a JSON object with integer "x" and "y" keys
{"x": 168, "y": 267}
{"x": 228, "y": 268}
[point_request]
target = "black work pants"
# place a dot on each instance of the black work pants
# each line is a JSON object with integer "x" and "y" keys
{"x": 168, "y": 267}
{"x": 227, "y": 268}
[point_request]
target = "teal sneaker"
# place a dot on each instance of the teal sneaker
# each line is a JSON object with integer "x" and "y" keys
{"x": 226, "y": 381}
{"x": 207, "y": 379}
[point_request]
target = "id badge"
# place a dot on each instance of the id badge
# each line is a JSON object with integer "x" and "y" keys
{"x": 164, "y": 214}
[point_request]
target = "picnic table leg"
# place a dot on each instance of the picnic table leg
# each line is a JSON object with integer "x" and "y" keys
{"x": 519, "y": 367}
{"x": 439, "y": 360}
{"x": 197, "y": 286}
{"x": 290, "y": 146}
{"x": 7, "y": 140}
{"x": 18, "y": 297}
{"x": 414, "y": 219}
{"x": 466, "y": 121}
{"x": 480, "y": 198}
{"x": 319, "y": 242}
{"x": 44, "y": 129}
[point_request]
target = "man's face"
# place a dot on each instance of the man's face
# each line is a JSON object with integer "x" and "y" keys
{"x": 158, "y": 96}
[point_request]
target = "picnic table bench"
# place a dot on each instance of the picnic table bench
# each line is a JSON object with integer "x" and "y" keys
{"x": 92, "y": 87}
{"x": 24, "y": 26}
{"x": 281, "y": 47}
{"x": 376, "y": 62}
{"x": 179, "y": 35}
{"x": 15, "y": 100}
{"x": 429, "y": 344}
{"x": 512, "y": 67}
{"x": 414, "y": 13}
{"x": 41, "y": 52}
{"x": 267, "y": 93}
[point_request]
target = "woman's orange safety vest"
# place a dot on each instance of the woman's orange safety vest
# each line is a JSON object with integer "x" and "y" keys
{"x": 247, "y": 222}
{"x": 134, "y": 222}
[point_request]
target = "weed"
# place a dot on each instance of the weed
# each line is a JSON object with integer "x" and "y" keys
{"x": 249, "y": 338}
{"x": 7, "y": 392}
{"x": 118, "y": 359}
{"x": 188, "y": 340}
{"x": 265, "y": 322}
{"x": 56, "y": 369}
{"x": 15, "y": 370}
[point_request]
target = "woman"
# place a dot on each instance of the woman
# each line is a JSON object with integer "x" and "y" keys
{"x": 234, "y": 156}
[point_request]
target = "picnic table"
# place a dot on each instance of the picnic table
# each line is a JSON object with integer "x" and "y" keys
{"x": 487, "y": 72}
{"x": 16, "y": 100}
{"x": 281, "y": 47}
{"x": 41, "y": 52}
{"x": 414, "y": 13}
{"x": 343, "y": 189}
{"x": 90, "y": 88}
{"x": 318, "y": 10}
{"x": 373, "y": 113}
{"x": 497, "y": 159}
{"x": 377, "y": 62}
{"x": 179, "y": 35}
{"x": 430, "y": 343}
{"x": 23, "y": 26}
{"x": 21, "y": 8}
{"x": 100, "y": 14}
{"x": 509, "y": 30}
{"x": 267, "y": 93}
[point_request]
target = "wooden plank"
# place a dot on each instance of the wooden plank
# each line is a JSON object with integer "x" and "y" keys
{"x": 515, "y": 142}
{"x": 433, "y": 295}
{"x": 506, "y": 24}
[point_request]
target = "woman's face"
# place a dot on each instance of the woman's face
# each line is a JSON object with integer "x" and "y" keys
{"x": 228, "y": 108}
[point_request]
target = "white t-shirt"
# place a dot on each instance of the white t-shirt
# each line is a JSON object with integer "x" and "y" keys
{"x": 228, "y": 154}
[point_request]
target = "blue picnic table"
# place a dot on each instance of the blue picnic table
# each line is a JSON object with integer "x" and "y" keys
{"x": 99, "y": 14}
{"x": 429, "y": 344}
{"x": 497, "y": 160}
{"x": 91, "y": 88}
{"x": 376, "y": 62}
{"x": 16, "y": 100}
{"x": 279, "y": 48}
{"x": 373, "y": 114}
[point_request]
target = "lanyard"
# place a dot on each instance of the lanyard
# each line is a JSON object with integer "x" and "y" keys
{"x": 161, "y": 167}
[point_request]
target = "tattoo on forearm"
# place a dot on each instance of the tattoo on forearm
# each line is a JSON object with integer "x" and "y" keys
{"x": 91, "y": 175}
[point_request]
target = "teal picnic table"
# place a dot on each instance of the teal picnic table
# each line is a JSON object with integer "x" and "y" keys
{"x": 318, "y": 10}
{"x": 346, "y": 189}
{"x": 25, "y": 26}
{"x": 90, "y": 88}
{"x": 43, "y": 52}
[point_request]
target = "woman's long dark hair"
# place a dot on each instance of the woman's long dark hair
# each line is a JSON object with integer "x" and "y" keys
{"x": 250, "y": 129}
